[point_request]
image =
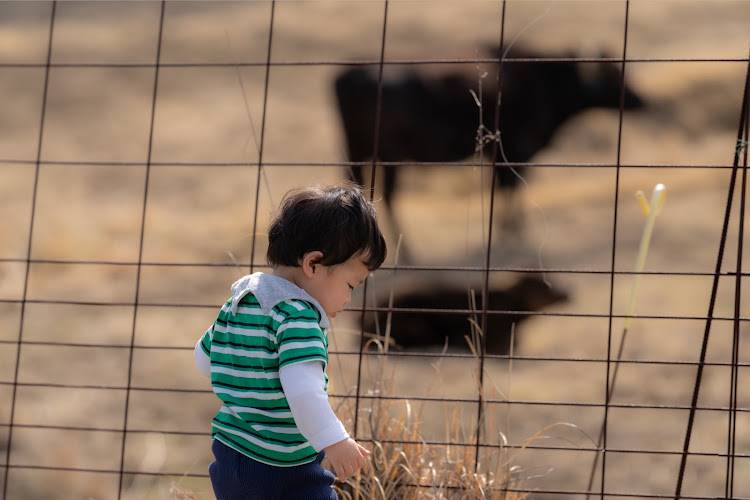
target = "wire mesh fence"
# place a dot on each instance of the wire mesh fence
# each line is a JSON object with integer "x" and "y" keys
{"x": 144, "y": 145}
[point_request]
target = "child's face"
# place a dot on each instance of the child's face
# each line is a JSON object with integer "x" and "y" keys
{"x": 332, "y": 286}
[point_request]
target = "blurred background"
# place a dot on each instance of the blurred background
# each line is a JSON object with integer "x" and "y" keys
{"x": 144, "y": 145}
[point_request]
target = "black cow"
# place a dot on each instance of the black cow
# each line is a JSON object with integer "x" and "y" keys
{"x": 429, "y": 116}
{"x": 422, "y": 326}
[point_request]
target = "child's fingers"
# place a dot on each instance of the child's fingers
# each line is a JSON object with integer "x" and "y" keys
{"x": 340, "y": 475}
{"x": 346, "y": 470}
{"x": 364, "y": 451}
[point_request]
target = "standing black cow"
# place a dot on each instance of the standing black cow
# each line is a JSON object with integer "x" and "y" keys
{"x": 433, "y": 116}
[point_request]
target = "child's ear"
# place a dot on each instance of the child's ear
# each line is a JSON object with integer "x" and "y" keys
{"x": 310, "y": 262}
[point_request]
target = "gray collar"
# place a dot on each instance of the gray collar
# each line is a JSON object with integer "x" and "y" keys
{"x": 271, "y": 290}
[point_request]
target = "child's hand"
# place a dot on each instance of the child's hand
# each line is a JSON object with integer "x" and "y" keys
{"x": 347, "y": 457}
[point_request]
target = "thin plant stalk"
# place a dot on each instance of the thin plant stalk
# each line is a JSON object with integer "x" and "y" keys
{"x": 651, "y": 211}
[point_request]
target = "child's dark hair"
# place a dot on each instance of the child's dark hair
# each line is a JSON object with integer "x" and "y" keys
{"x": 336, "y": 220}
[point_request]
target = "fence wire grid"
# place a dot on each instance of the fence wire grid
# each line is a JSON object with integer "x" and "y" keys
{"x": 145, "y": 144}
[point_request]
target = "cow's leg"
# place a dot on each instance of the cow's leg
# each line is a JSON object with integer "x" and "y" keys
{"x": 512, "y": 216}
{"x": 390, "y": 180}
{"x": 355, "y": 174}
{"x": 389, "y": 184}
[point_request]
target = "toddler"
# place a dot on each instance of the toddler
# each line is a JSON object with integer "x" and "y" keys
{"x": 267, "y": 351}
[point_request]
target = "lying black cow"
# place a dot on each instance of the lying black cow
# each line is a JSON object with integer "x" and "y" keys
{"x": 423, "y": 326}
{"x": 432, "y": 116}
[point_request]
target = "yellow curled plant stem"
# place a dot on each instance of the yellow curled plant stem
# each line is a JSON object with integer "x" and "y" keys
{"x": 650, "y": 211}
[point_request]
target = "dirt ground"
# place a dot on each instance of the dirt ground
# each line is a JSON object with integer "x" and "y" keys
{"x": 88, "y": 187}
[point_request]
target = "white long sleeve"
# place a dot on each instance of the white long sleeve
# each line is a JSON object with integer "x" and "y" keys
{"x": 202, "y": 360}
{"x": 304, "y": 387}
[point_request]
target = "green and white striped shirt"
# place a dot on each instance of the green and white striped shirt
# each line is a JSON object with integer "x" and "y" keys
{"x": 252, "y": 338}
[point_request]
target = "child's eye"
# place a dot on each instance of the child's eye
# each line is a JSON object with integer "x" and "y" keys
{"x": 350, "y": 287}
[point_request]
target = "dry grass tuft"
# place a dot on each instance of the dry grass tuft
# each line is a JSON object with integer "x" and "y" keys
{"x": 179, "y": 492}
{"x": 403, "y": 467}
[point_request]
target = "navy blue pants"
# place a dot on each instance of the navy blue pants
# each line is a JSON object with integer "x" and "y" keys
{"x": 235, "y": 476}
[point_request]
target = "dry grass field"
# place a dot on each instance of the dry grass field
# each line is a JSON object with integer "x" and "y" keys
{"x": 112, "y": 194}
